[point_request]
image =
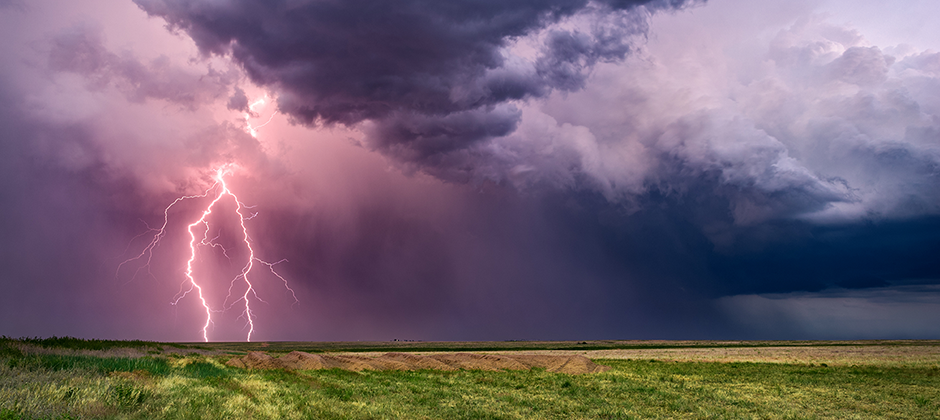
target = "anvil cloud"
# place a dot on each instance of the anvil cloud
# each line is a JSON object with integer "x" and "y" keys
{"x": 482, "y": 169}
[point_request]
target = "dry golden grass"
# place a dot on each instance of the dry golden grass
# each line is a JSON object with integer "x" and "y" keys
{"x": 871, "y": 355}
{"x": 834, "y": 353}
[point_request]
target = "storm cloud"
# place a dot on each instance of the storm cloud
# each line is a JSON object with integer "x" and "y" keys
{"x": 432, "y": 78}
{"x": 465, "y": 91}
{"x": 477, "y": 169}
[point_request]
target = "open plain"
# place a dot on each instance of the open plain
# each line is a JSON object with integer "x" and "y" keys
{"x": 71, "y": 378}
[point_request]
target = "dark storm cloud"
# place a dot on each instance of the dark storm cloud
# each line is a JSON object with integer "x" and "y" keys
{"x": 238, "y": 101}
{"x": 691, "y": 171}
{"x": 434, "y": 77}
{"x": 447, "y": 89}
{"x": 817, "y": 126}
{"x": 840, "y": 313}
{"x": 681, "y": 186}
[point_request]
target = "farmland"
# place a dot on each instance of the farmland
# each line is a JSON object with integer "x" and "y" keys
{"x": 71, "y": 378}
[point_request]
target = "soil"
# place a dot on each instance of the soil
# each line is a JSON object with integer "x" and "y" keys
{"x": 570, "y": 364}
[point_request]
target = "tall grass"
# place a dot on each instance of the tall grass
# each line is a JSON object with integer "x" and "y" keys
{"x": 54, "y": 362}
{"x": 73, "y": 343}
{"x": 199, "y": 387}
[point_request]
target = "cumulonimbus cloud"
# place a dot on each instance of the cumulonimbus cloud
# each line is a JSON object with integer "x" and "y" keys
{"x": 432, "y": 78}
{"x": 818, "y": 125}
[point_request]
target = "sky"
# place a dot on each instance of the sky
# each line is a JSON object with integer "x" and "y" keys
{"x": 470, "y": 169}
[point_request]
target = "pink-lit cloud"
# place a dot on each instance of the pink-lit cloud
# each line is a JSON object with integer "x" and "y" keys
{"x": 536, "y": 169}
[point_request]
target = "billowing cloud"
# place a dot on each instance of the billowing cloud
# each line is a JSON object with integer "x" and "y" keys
{"x": 810, "y": 122}
{"x": 80, "y": 51}
{"x": 473, "y": 169}
{"x": 817, "y": 124}
{"x": 433, "y": 79}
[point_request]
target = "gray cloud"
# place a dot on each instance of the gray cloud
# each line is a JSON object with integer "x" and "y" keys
{"x": 817, "y": 125}
{"x": 624, "y": 170}
{"x": 432, "y": 78}
{"x": 239, "y": 101}
{"x": 813, "y": 124}
{"x": 81, "y": 50}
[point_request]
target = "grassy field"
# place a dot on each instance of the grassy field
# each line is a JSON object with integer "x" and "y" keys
{"x": 68, "y": 378}
{"x": 593, "y": 345}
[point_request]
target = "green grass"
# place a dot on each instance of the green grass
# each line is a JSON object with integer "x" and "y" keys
{"x": 203, "y": 388}
{"x": 73, "y": 343}
{"x": 54, "y": 386}
{"x": 54, "y": 362}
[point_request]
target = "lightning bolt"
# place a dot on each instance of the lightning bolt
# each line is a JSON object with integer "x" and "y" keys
{"x": 199, "y": 237}
{"x": 251, "y": 112}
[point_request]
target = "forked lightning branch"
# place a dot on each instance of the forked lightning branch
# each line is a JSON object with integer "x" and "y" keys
{"x": 199, "y": 239}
